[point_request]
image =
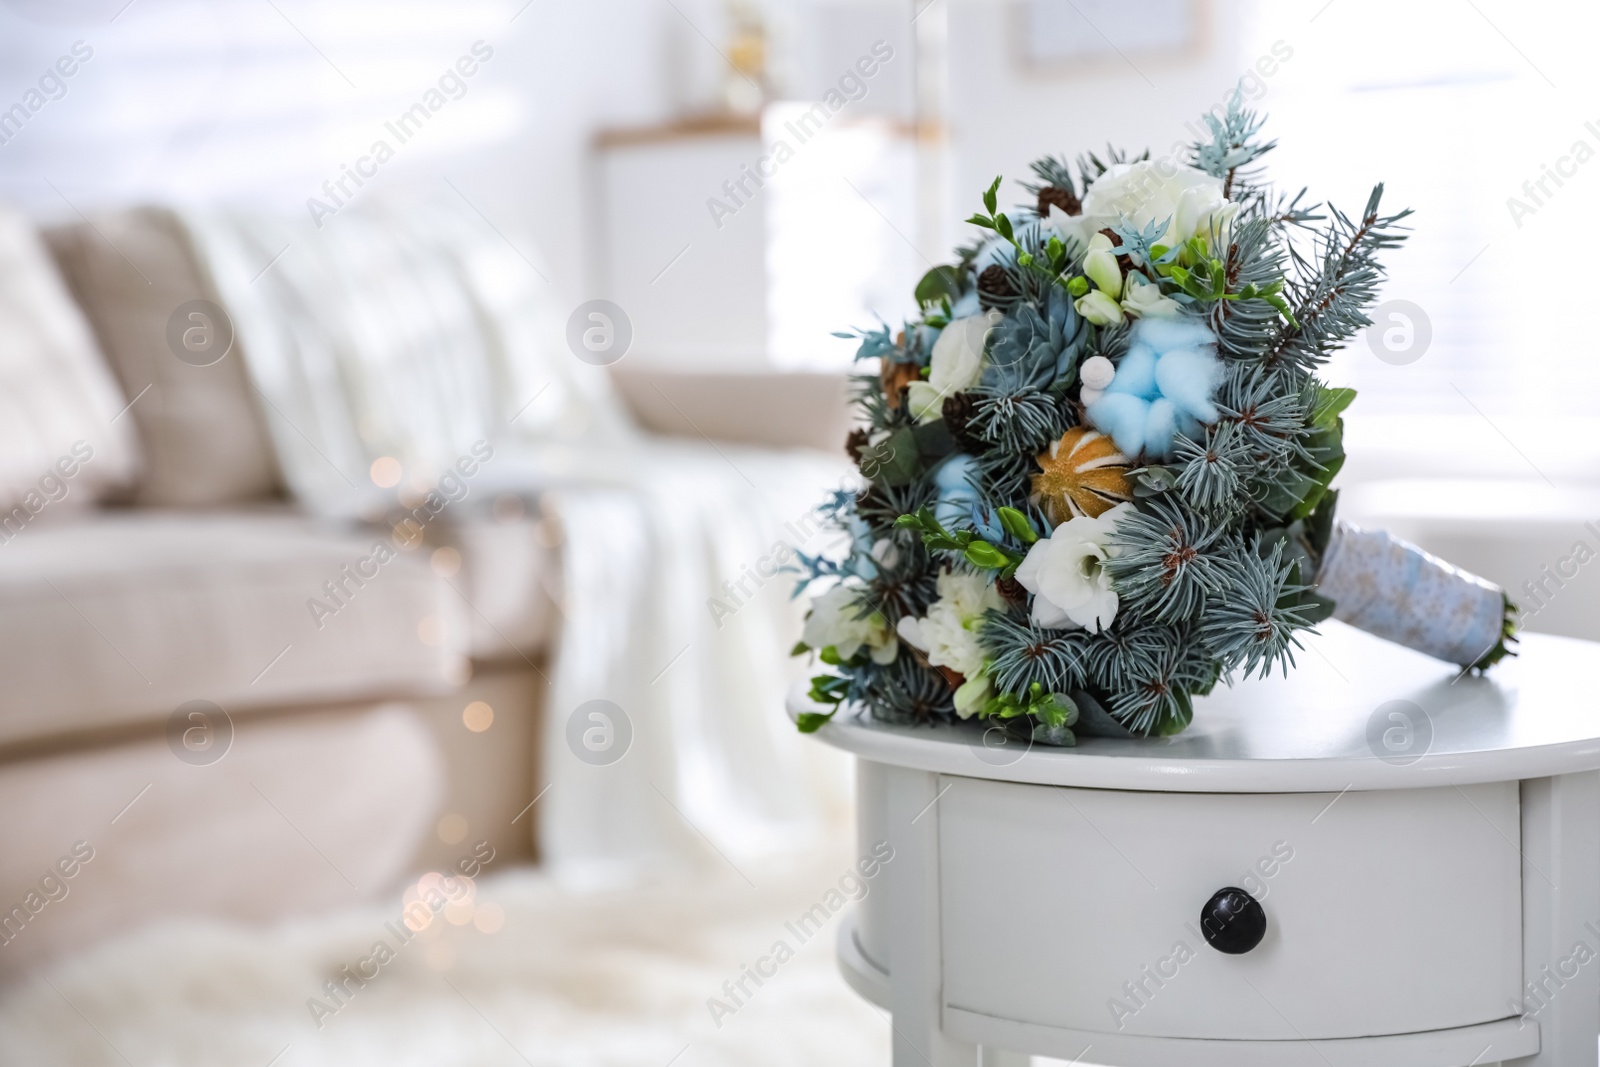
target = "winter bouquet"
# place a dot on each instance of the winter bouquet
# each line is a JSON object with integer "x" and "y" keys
{"x": 1097, "y": 466}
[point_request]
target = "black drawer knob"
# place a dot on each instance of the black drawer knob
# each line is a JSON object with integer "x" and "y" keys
{"x": 1233, "y": 921}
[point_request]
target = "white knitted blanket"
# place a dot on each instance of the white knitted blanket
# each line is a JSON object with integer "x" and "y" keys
{"x": 415, "y": 334}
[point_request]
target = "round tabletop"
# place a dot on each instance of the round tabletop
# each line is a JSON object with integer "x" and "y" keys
{"x": 1358, "y": 713}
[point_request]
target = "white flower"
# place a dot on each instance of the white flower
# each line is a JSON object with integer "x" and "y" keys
{"x": 836, "y": 618}
{"x": 1066, "y": 574}
{"x": 956, "y": 364}
{"x": 1152, "y": 190}
{"x": 971, "y": 695}
{"x": 1099, "y": 308}
{"x": 1100, "y": 264}
{"x": 947, "y": 634}
{"x": 1143, "y": 299}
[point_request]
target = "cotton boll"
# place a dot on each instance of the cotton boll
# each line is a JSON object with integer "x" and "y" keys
{"x": 1163, "y": 335}
{"x": 1160, "y": 424}
{"x": 1188, "y": 378}
{"x": 957, "y": 497}
{"x": 1123, "y": 417}
{"x": 966, "y": 305}
{"x": 1136, "y": 374}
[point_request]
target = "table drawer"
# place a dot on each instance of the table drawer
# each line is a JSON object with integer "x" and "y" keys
{"x": 1387, "y": 912}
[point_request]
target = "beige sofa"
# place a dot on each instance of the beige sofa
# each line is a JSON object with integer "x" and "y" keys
{"x": 328, "y": 758}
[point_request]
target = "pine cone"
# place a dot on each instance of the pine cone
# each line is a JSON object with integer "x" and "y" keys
{"x": 1012, "y": 590}
{"x": 958, "y": 410}
{"x": 1065, "y": 199}
{"x": 854, "y": 442}
{"x": 894, "y": 378}
{"x": 994, "y": 285}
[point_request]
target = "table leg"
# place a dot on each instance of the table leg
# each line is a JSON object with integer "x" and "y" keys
{"x": 1561, "y": 918}
{"x": 914, "y": 937}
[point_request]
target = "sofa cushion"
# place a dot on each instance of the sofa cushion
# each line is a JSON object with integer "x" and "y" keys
{"x": 124, "y": 616}
{"x": 61, "y": 436}
{"x": 204, "y": 436}
{"x": 300, "y": 814}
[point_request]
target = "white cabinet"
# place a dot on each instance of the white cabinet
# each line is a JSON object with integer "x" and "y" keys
{"x": 1436, "y": 911}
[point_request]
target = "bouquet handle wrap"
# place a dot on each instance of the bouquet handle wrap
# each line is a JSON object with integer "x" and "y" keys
{"x": 1395, "y": 590}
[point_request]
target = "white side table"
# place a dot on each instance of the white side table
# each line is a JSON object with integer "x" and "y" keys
{"x": 1425, "y": 849}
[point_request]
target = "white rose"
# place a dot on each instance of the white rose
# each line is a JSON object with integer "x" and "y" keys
{"x": 1157, "y": 191}
{"x": 1143, "y": 299}
{"x": 956, "y": 364}
{"x": 1066, "y": 574}
{"x": 836, "y": 619}
{"x": 947, "y": 634}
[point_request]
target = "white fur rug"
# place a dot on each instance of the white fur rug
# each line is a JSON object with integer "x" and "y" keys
{"x": 573, "y": 980}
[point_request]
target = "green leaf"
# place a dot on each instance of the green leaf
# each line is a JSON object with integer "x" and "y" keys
{"x": 1078, "y": 286}
{"x": 1330, "y": 405}
{"x": 800, "y": 648}
{"x": 830, "y": 655}
{"x": 934, "y": 441}
{"x": 1313, "y": 498}
{"x": 893, "y": 461}
{"x": 941, "y": 283}
{"x": 1283, "y": 309}
{"x": 1056, "y": 709}
{"x": 810, "y": 722}
{"x": 984, "y": 555}
{"x": 989, "y": 197}
{"x": 1177, "y": 721}
{"x": 1326, "y": 448}
{"x": 1287, "y": 490}
{"x": 1319, "y": 525}
{"x": 1059, "y": 736}
{"x": 1003, "y": 225}
{"x": 1153, "y": 480}
{"x": 1017, "y": 525}
{"x": 979, "y": 220}
{"x": 828, "y": 688}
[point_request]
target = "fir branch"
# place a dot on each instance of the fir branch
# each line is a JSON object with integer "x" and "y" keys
{"x": 1247, "y": 326}
{"x": 1233, "y": 143}
{"x": 1167, "y": 562}
{"x": 1331, "y": 294}
{"x": 1212, "y": 470}
{"x": 1022, "y": 654}
{"x": 1161, "y": 667}
{"x": 903, "y": 692}
{"x": 1023, "y": 422}
{"x": 1253, "y": 625}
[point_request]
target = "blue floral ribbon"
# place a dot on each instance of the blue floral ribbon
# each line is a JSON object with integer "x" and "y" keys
{"x": 1394, "y": 590}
